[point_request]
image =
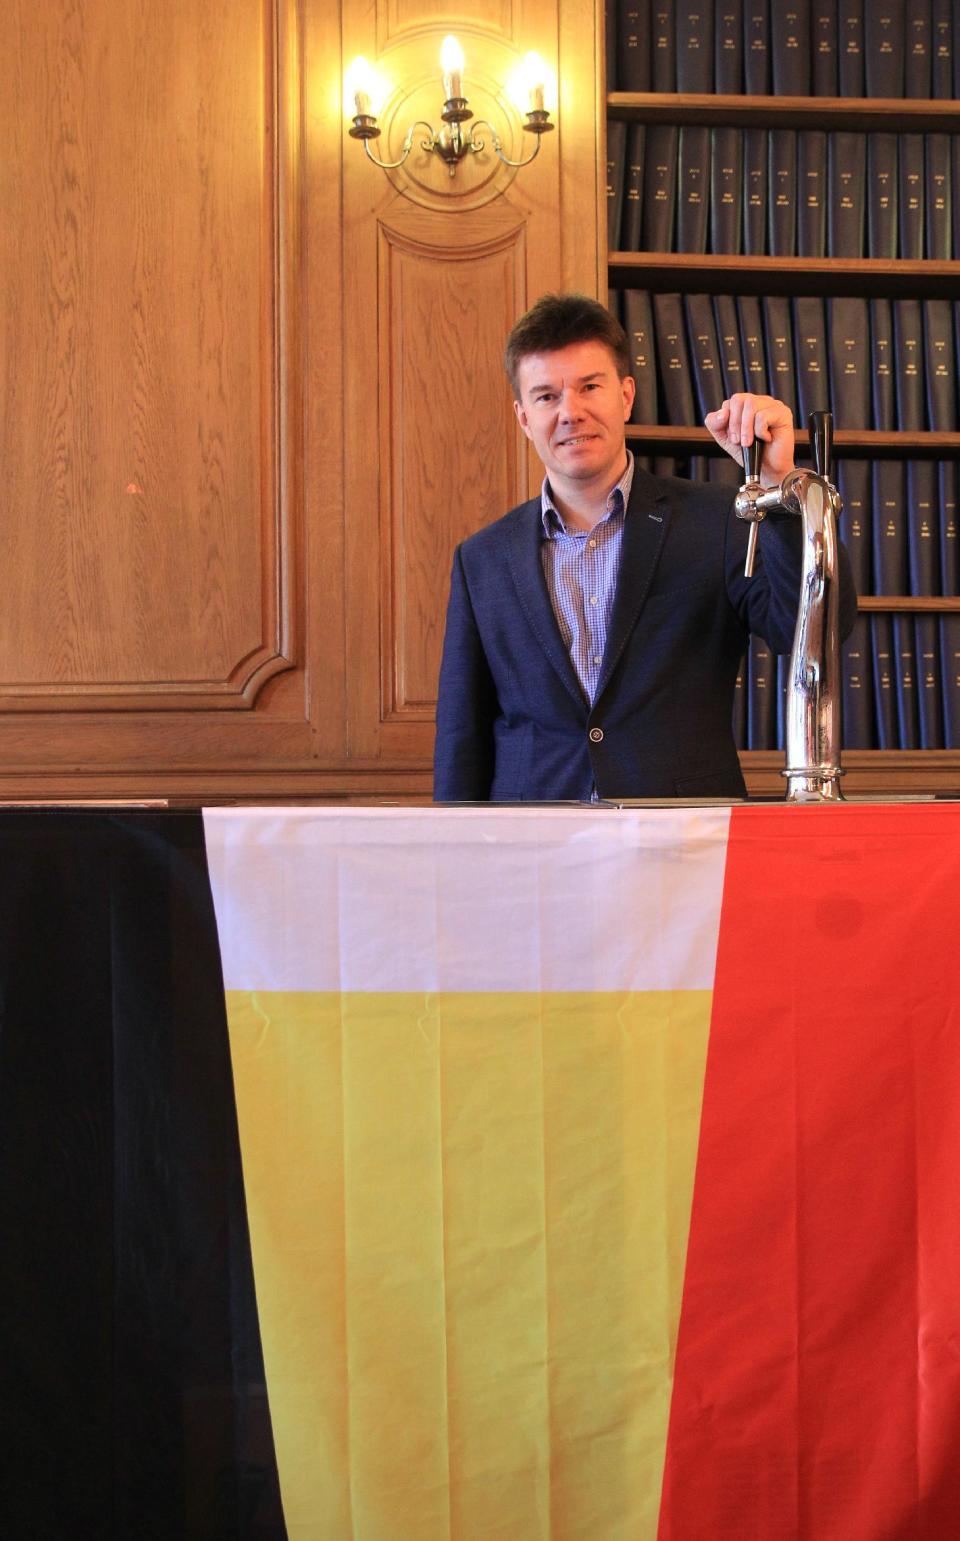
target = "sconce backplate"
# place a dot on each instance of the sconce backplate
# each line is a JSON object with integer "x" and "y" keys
{"x": 424, "y": 177}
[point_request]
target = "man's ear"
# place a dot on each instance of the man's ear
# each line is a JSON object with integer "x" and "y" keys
{"x": 521, "y": 412}
{"x": 628, "y": 385}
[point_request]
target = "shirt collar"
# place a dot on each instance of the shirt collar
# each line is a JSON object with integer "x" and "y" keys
{"x": 617, "y": 500}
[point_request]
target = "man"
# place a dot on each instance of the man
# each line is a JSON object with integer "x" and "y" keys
{"x": 594, "y": 633}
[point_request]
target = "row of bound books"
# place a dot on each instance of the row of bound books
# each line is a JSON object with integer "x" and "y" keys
{"x": 888, "y": 365}
{"x": 900, "y": 690}
{"x": 782, "y": 192}
{"x": 877, "y": 48}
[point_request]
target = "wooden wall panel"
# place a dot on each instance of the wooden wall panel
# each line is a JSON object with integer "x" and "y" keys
{"x": 453, "y": 262}
{"x": 250, "y": 387}
{"x": 398, "y": 17}
{"x": 137, "y": 427}
{"x": 454, "y": 463}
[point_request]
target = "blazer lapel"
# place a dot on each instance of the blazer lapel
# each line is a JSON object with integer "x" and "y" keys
{"x": 644, "y": 530}
{"x": 526, "y": 565}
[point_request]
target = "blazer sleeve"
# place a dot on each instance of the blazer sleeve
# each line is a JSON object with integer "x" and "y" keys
{"x": 467, "y": 707}
{"x": 768, "y": 603}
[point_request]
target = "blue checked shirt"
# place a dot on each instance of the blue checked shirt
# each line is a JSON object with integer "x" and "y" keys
{"x": 580, "y": 567}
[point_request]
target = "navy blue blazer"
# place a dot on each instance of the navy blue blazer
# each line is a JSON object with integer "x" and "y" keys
{"x": 513, "y": 722}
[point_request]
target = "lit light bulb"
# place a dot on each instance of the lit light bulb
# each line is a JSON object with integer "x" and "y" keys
{"x": 365, "y": 87}
{"x": 534, "y": 78}
{"x": 532, "y": 85}
{"x": 451, "y": 65}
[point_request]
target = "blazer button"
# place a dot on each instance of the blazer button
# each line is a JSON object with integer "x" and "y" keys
{"x": 596, "y": 735}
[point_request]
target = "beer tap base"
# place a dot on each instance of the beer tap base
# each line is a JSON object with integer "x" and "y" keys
{"x": 813, "y": 784}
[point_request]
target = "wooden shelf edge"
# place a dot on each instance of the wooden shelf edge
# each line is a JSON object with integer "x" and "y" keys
{"x": 887, "y": 114}
{"x": 710, "y": 273}
{"x": 855, "y": 443}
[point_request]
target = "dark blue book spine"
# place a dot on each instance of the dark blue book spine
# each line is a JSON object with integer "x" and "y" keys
{"x": 782, "y": 183}
{"x": 884, "y": 691}
{"x": 761, "y": 696}
{"x": 728, "y": 341}
{"x": 664, "y": 52}
{"x": 751, "y": 345}
{"x": 923, "y": 534}
{"x": 944, "y": 42}
{"x": 660, "y": 186}
{"x": 726, "y": 189}
{"x": 883, "y": 40}
{"x": 616, "y": 153}
{"x": 695, "y": 46}
{"x": 857, "y": 688}
{"x": 631, "y": 219}
{"x": 939, "y": 224}
{"x": 882, "y": 189}
{"x": 755, "y": 192}
{"x": 778, "y": 333}
{"x": 910, "y": 196}
{"x": 638, "y": 325}
{"x": 955, "y": 190}
{"x": 728, "y": 48}
{"x": 811, "y": 193}
{"x": 889, "y": 529}
{"x": 917, "y": 42}
{"x": 940, "y": 365}
{"x": 929, "y": 685}
{"x": 846, "y": 177}
{"x": 783, "y": 676}
{"x": 850, "y": 39}
{"x": 790, "y": 54}
{"x": 908, "y": 348}
{"x": 673, "y": 360}
{"x": 824, "y": 40}
{"x": 948, "y": 485}
{"x": 704, "y": 352}
{"x": 756, "y": 48}
{"x": 724, "y": 470}
{"x": 633, "y": 54}
{"x": 950, "y": 679}
{"x": 905, "y": 682}
{"x": 810, "y": 338}
{"x": 883, "y": 393}
{"x": 856, "y": 521}
{"x": 849, "y": 364}
{"x": 693, "y": 182}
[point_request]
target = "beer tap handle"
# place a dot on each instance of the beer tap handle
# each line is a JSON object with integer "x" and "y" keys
{"x": 821, "y": 441}
{"x": 752, "y": 458}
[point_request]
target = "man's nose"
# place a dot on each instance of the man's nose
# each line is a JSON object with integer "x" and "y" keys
{"x": 569, "y": 408}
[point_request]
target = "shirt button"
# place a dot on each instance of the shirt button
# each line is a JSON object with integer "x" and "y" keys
{"x": 596, "y": 735}
{"x": 597, "y": 658}
{"x": 591, "y": 544}
{"x": 593, "y": 599}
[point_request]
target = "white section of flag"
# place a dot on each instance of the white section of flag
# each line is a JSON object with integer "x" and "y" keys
{"x": 456, "y": 899}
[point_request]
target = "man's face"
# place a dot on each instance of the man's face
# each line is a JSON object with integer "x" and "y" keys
{"x": 573, "y": 407}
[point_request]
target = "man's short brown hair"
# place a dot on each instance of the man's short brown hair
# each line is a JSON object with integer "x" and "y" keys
{"x": 556, "y": 321}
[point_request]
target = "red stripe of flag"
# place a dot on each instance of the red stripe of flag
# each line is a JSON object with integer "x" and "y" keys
{"x": 817, "y": 1382}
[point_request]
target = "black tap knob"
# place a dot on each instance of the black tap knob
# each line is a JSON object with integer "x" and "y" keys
{"x": 821, "y": 440}
{"x": 752, "y": 458}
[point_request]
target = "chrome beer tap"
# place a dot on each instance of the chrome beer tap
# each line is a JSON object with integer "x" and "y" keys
{"x": 813, "y": 687}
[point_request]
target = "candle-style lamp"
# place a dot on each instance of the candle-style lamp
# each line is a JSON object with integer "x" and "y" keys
{"x": 364, "y": 89}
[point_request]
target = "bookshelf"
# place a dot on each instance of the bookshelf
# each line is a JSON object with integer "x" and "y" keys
{"x": 869, "y": 771}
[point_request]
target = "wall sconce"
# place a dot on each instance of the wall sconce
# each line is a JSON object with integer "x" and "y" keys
{"x": 528, "y": 87}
